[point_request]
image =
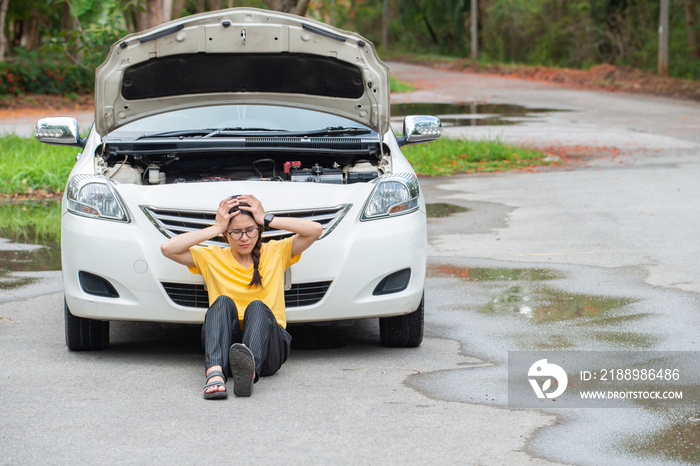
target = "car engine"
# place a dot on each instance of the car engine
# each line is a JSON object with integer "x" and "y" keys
{"x": 170, "y": 168}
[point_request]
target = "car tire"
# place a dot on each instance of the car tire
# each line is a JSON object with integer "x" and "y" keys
{"x": 403, "y": 331}
{"x": 85, "y": 334}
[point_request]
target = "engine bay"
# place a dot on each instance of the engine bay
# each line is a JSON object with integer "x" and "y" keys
{"x": 173, "y": 167}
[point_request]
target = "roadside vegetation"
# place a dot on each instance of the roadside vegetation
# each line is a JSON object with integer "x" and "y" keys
{"x": 401, "y": 86}
{"x": 450, "y": 156}
{"x": 54, "y": 46}
{"x": 30, "y": 168}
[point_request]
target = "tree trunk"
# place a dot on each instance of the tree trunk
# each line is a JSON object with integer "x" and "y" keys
{"x": 663, "y": 37}
{"x": 297, "y": 7}
{"x": 3, "y": 39}
{"x": 79, "y": 50}
{"x": 178, "y": 8}
{"x": 17, "y": 33}
{"x": 691, "y": 21}
{"x": 66, "y": 20}
{"x": 140, "y": 16}
{"x": 155, "y": 13}
{"x": 215, "y": 5}
{"x": 33, "y": 30}
{"x": 167, "y": 10}
{"x": 474, "y": 29}
{"x": 201, "y": 6}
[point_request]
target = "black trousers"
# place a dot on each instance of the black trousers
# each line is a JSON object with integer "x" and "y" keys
{"x": 267, "y": 340}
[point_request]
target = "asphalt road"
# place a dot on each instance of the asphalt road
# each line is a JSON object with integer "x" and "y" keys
{"x": 622, "y": 229}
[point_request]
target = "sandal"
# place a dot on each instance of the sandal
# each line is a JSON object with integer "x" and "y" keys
{"x": 243, "y": 369}
{"x": 218, "y": 394}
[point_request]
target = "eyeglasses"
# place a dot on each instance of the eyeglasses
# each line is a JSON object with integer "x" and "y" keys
{"x": 250, "y": 232}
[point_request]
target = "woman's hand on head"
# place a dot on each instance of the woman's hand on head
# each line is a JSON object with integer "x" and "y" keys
{"x": 222, "y": 216}
{"x": 255, "y": 207}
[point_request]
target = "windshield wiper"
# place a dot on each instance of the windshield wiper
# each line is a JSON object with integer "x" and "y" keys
{"x": 237, "y": 131}
{"x": 331, "y": 130}
{"x": 204, "y": 132}
{"x": 179, "y": 133}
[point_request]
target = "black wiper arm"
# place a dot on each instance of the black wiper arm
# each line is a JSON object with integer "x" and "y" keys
{"x": 338, "y": 130}
{"x": 179, "y": 133}
{"x": 236, "y": 131}
{"x": 239, "y": 131}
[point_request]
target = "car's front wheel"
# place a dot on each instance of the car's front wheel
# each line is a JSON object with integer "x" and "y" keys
{"x": 85, "y": 334}
{"x": 403, "y": 331}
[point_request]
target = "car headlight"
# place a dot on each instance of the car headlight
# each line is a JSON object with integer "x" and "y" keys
{"x": 394, "y": 195}
{"x": 94, "y": 196}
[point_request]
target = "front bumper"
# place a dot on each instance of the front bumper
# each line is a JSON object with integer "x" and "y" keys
{"x": 354, "y": 258}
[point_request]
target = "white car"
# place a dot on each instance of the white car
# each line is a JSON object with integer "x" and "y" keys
{"x": 242, "y": 101}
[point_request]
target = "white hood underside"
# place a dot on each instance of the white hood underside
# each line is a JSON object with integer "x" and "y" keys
{"x": 242, "y": 56}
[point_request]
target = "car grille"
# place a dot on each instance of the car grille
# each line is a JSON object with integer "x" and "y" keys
{"x": 301, "y": 294}
{"x": 172, "y": 222}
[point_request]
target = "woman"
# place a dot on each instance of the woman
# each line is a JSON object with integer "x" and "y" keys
{"x": 244, "y": 332}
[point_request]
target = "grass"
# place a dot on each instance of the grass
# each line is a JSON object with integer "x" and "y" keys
{"x": 450, "y": 156}
{"x": 27, "y": 165}
{"x": 400, "y": 86}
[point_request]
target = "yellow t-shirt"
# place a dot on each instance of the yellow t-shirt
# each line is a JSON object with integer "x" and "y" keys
{"x": 224, "y": 276}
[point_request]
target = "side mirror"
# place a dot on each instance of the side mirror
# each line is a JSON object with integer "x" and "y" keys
{"x": 420, "y": 128}
{"x": 59, "y": 131}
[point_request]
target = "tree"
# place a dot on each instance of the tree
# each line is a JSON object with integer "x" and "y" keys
{"x": 3, "y": 39}
{"x": 663, "y": 37}
{"x": 297, "y": 7}
{"x": 691, "y": 21}
{"x": 150, "y": 13}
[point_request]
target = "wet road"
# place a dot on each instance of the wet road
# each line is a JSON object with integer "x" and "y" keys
{"x": 602, "y": 257}
{"x": 617, "y": 237}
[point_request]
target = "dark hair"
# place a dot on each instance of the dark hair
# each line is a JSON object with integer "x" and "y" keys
{"x": 257, "y": 278}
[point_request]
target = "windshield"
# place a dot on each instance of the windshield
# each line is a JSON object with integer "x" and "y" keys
{"x": 238, "y": 117}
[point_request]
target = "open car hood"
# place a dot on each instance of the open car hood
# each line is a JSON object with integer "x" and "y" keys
{"x": 242, "y": 56}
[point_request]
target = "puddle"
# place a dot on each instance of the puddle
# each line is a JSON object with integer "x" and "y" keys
{"x": 680, "y": 442}
{"x": 491, "y": 274}
{"x": 544, "y": 304}
{"x": 471, "y": 113}
{"x": 32, "y": 241}
{"x": 528, "y": 299}
{"x": 570, "y": 308}
{"x": 440, "y": 209}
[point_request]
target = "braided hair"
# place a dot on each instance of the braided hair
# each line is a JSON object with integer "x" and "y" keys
{"x": 255, "y": 253}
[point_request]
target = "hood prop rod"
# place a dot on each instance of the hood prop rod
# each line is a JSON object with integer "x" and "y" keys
{"x": 379, "y": 120}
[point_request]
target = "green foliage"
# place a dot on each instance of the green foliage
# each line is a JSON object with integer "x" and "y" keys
{"x": 431, "y": 26}
{"x": 98, "y": 24}
{"x": 36, "y": 76}
{"x": 27, "y": 165}
{"x": 448, "y": 156}
{"x": 361, "y": 16}
{"x": 572, "y": 33}
{"x": 64, "y": 59}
